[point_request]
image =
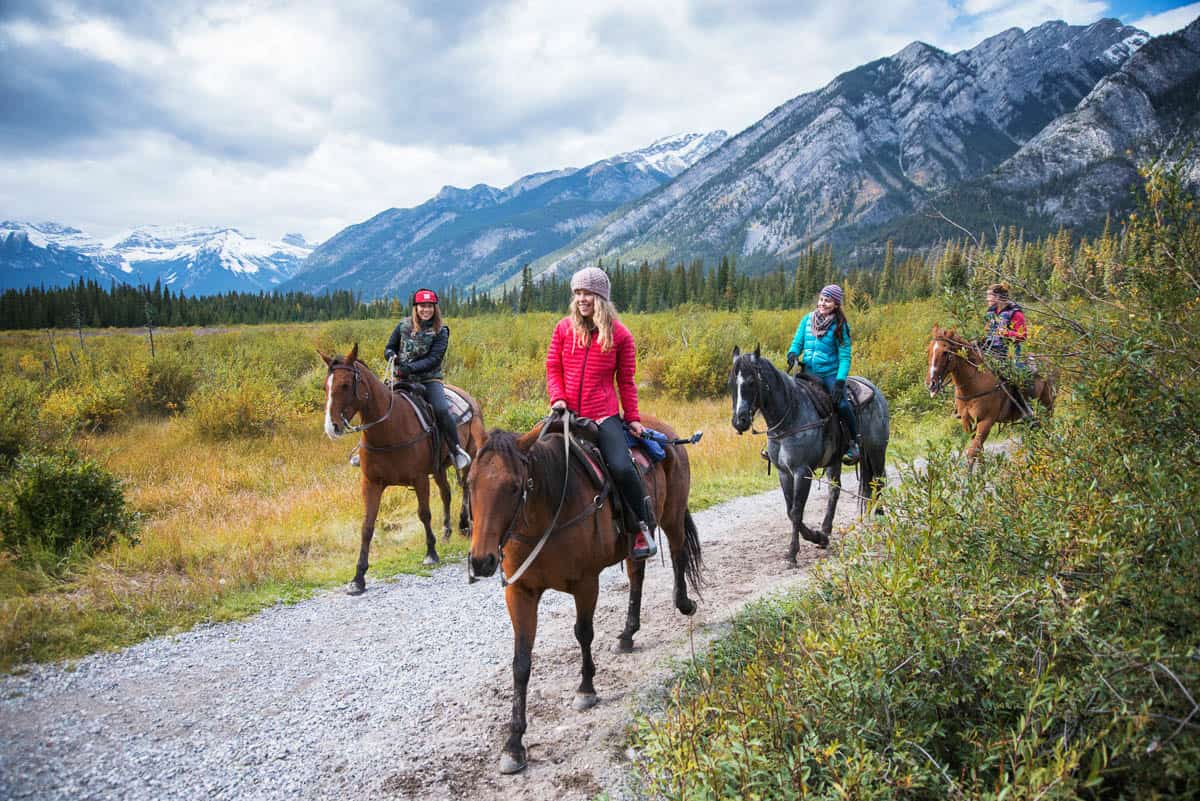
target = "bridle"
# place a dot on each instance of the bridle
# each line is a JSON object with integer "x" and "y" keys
{"x": 773, "y": 431}
{"x": 520, "y": 510}
{"x": 354, "y": 385}
{"x": 952, "y": 353}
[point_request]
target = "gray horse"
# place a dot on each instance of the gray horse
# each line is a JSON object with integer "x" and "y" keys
{"x": 803, "y": 434}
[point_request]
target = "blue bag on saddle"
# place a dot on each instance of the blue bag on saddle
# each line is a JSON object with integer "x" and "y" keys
{"x": 650, "y": 441}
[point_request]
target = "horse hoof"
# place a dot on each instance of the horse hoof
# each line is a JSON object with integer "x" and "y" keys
{"x": 429, "y": 560}
{"x": 356, "y": 588}
{"x": 510, "y": 765}
{"x": 623, "y": 646}
{"x": 585, "y": 701}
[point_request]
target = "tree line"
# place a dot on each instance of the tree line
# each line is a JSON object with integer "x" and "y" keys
{"x": 1053, "y": 266}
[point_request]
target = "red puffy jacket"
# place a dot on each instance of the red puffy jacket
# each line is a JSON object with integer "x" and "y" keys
{"x": 582, "y": 375}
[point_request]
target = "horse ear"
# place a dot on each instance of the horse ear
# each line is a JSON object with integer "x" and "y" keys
{"x": 327, "y": 359}
{"x": 352, "y": 356}
{"x": 757, "y": 351}
{"x": 526, "y": 440}
{"x": 736, "y": 351}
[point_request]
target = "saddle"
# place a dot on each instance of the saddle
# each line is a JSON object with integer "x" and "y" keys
{"x": 587, "y": 452}
{"x": 414, "y": 393}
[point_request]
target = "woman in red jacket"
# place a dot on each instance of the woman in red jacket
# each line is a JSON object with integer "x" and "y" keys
{"x": 592, "y": 360}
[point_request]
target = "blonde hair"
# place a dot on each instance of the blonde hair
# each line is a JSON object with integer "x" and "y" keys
{"x": 435, "y": 320}
{"x": 604, "y": 314}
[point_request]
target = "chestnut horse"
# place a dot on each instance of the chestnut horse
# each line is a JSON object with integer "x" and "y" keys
{"x": 980, "y": 398}
{"x": 395, "y": 451}
{"x": 538, "y": 516}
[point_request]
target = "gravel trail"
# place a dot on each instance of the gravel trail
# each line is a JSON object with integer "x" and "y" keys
{"x": 402, "y": 693}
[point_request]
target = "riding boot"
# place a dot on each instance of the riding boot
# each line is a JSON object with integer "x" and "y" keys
{"x": 854, "y": 450}
{"x": 462, "y": 459}
{"x": 643, "y": 540}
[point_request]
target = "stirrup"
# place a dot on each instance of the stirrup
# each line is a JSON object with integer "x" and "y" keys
{"x": 643, "y": 544}
{"x": 354, "y": 460}
{"x": 462, "y": 459}
{"x": 853, "y": 454}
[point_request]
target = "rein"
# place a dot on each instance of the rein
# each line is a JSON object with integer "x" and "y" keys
{"x": 507, "y": 580}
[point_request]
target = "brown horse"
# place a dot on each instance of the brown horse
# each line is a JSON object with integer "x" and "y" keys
{"x": 395, "y": 451}
{"x": 980, "y": 398}
{"x": 541, "y": 519}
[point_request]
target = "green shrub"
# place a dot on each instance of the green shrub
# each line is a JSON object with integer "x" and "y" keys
{"x": 58, "y": 508}
{"x": 18, "y": 416}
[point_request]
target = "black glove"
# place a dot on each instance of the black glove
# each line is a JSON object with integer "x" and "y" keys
{"x": 791, "y": 360}
{"x": 839, "y": 391}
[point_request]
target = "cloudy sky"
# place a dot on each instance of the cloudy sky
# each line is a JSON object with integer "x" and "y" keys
{"x": 280, "y": 116}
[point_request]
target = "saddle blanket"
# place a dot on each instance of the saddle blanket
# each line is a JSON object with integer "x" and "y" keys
{"x": 859, "y": 390}
{"x": 460, "y": 410}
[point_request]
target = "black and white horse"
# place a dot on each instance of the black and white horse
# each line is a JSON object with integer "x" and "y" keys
{"x": 803, "y": 434}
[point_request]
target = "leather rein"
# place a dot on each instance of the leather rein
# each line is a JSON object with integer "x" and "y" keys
{"x": 354, "y": 429}
{"x": 772, "y": 431}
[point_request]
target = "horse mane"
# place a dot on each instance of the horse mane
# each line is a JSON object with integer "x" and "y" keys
{"x": 954, "y": 338}
{"x": 545, "y": 460}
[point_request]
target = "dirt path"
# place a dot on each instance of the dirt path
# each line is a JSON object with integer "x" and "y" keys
{"x": 404, "y": 692}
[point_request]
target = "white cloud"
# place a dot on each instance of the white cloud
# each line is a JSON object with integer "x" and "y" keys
{"x": 308, "y": 116}
{"x": 1168, "y": 21}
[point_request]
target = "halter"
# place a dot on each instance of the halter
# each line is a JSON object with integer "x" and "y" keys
{"x": 352, "y": 429}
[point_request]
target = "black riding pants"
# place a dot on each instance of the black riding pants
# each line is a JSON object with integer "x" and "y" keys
{"x": 436, "y": 395}
{"x": 615, "y": 449}
{"x": 844, "y": 408}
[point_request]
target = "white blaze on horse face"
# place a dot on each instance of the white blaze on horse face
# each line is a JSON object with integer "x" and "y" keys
{"x": 330, "y": 431}
{"x": 934, "y": 356}
{"x": 741, "y": 379}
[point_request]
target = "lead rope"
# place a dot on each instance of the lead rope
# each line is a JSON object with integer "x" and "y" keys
{"x": 566, "y": 423}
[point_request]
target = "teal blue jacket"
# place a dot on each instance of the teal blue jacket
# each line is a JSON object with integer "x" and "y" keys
{"x": 822, "y": 355}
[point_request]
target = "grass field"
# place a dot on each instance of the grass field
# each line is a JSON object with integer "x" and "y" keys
{"x": 244, "y": 502}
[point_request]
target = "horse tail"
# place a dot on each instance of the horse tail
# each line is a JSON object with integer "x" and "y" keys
{"x": 693, "y": 563}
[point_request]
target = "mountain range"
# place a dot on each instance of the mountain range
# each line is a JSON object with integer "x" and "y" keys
{"x": 483, "y": 235}
{"x": 193, "y": 261}
{"x": 1036, "y": 128}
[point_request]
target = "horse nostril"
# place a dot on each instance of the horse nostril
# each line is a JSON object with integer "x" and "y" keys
{"x": 484, "y": 567}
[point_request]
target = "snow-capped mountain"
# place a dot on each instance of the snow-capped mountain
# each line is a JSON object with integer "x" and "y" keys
{"x": 207, "y": 261}
{"x": 194, "y": 261}
{"x": 485, "y": 234}
{"x": 869, "y": 147}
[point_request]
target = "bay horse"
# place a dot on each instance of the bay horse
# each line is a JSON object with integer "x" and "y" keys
{"x": 803, "y": 434}
{"x": 396, "y": 449}
{"x": 980, "y": 397}
{"x": 539, "y": 517}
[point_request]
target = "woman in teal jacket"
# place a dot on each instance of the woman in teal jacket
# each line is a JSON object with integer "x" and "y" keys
{"x": 822, "y": 346}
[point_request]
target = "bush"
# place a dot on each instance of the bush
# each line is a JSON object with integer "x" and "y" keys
{"x": 246, "y": 408}
{"x": 59, "y": 508}
{"x": 93, "y": 404}
{"x": 165, "y": 384}
{"x": 18, "y": 416}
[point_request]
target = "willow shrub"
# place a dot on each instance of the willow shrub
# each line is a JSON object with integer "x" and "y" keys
{"x": 58, "y": 508}
{"x": 1028, "y": 630}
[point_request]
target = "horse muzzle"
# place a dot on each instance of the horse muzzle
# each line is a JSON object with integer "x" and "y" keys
{"x": 741, "y": 423}
{"x": 485, "y": 566}
{"x": 934, "y": 387}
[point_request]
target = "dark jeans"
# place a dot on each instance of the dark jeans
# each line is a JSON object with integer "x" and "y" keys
{"x": 436, "y": 395}
{"x": 844, "y": 408}
{"x": 615, "y": 449}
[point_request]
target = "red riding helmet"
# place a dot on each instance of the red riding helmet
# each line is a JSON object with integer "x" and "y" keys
{"x": 425, "y": 296}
